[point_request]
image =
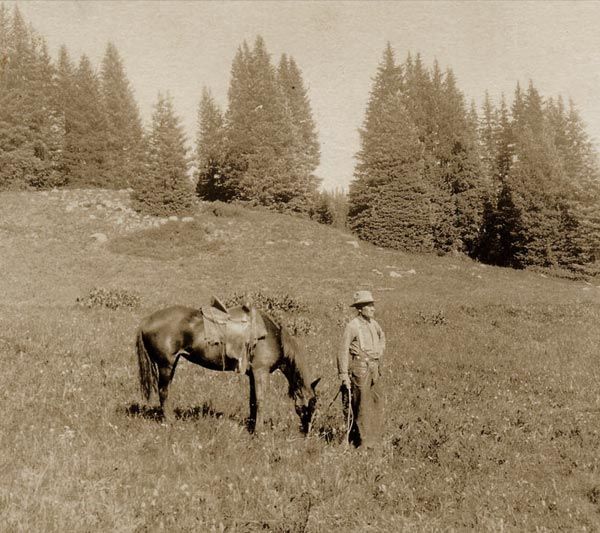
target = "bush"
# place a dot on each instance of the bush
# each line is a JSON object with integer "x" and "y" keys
{"x": 279, "y": 306}
{"x": 110, "y": 298}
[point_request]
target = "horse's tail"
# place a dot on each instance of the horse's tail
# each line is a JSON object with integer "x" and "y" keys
{"x": 148, "y": 368}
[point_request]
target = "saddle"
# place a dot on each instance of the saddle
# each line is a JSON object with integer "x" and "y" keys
{"x": 237, "y": 329}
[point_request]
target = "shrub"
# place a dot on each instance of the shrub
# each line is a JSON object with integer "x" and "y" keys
{"x": 110, "y": 298}
{"x": 283, "y": 308}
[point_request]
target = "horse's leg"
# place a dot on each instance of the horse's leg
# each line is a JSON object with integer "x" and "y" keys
{"x": 253, "y": 404}
{"x": 260, "y": 384}
{"x": 165, "y": 376}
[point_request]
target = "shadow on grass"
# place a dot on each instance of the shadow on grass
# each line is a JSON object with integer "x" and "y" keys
{"x": 198, "y": 412}
{"x": 206, "y": 410}
{"x": 136, "y": 410}
{"x": 329, "y": 433}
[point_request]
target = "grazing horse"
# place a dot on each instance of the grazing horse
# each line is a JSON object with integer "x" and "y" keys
{"x": 168, "y": 334}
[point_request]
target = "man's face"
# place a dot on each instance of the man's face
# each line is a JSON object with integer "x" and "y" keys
{"x": 367, "y": 310}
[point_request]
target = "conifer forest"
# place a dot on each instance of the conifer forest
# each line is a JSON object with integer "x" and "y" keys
{"x": 513, "y": 182}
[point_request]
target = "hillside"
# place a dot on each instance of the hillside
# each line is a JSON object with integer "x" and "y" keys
{"x": 492, "y": 379}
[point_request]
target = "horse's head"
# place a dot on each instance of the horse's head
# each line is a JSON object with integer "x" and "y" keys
{"x": 305, "y": 402}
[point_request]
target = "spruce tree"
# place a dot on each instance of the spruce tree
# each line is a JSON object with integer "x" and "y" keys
{"x": 166, "y": 189}
{"x": 488, "y": 139}
{"x": 306, "y": 143}
{"x": 47, "y": 136}
{"x": 581, "y": 211}
{"x": 85, "y": 153}
{"x": 125, "y": 149}
{"x": 262, "y": 163}
{"x": 461, "y": 168}
{"x": 64, "y": 95}
{"x": 4, "y": 37}
{"x": 537, "y": 185}
{"x": 210, "y": 146}
{"x": 389, "y": 199}
{"x": 504, "y": 142}
{"x": 28, "y": 140}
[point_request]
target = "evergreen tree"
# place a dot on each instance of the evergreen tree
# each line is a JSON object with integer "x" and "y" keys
{"x": 538, "y": 188}
{"x": 4, "y": 38}
{"x": 504, "y": 142}
{"x": 307, "y": 143}
{"x": 124, "y": 128}
{"x": 64, "y": 94}
{"x": 166, "y": 189}
{"x": 543, "y": 217}
{"x": 459, "y": 159}
{"x": 210, "y": 146}
{"x": 389, "y": 200}
{"x": 579, "y": 158}
{"x": 331, "y": 208}
{"x": 488, "y": 139}
{"x": 86, "y": 145}
{"x": 451, "y": 156}
{"x": 28, "y": 140}
{"x": 46, "y": 125}
{"x": 536, "y": 183}
{"x": 263, "y": 163}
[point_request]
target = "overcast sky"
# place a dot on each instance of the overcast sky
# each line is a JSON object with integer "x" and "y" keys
{"x": 180, "y": 47}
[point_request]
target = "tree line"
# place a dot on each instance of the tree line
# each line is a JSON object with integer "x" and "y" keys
{"x": 513, "y": 184}
{"x": 67, "y": 124}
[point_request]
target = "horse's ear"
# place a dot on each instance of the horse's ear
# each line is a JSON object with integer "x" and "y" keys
{"x": 314, "y": 384}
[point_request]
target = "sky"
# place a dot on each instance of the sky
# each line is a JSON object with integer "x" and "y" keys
{"x": 181, "y": 47}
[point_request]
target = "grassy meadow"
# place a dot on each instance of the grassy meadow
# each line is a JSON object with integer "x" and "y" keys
{"x": 492, "y": 382}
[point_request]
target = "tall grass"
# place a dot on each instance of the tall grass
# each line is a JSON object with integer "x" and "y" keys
{"x": 491, "y": 385}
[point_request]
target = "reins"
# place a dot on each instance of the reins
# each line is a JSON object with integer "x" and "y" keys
{"x": 349, "y": 416}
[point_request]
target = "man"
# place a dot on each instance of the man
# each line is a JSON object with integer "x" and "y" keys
{"x": 359, "y": 366}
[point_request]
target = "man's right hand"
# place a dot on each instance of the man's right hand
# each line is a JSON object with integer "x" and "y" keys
{"x": 345, "y": 381}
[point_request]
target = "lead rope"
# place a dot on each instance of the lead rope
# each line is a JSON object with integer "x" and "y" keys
{"x": 349, "y": 417}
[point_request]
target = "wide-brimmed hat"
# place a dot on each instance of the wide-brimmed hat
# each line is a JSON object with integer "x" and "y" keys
{"x": 362, "y": 298}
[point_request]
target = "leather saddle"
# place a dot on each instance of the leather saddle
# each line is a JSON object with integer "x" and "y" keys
{"x": 237, "y": 330}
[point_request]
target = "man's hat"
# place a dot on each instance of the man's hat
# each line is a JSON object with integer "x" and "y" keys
{"x": 362, "y": 298}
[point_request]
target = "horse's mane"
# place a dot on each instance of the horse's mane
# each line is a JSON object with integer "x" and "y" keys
{"x": 294, "y": 363}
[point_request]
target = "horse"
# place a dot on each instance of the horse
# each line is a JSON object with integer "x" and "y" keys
{"x": 178, "y": 331}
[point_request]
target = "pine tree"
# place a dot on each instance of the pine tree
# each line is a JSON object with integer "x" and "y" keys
{"x": 389, "y": 200}
{"x": 210, "y": 146}
{"x": 125, "y": 148}
{"x": 166, "y": 189}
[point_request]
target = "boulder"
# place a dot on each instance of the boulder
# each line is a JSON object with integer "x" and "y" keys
{"x": 99, "y": 238}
